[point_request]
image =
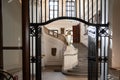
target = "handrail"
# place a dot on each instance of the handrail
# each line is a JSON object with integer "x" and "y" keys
{"x": 59, "y": 36}
{"x": 70, "y": 55}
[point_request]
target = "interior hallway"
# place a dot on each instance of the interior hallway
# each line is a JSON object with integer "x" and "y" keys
{"x": 54, "y": 73}
{"x": 59, "y": 76}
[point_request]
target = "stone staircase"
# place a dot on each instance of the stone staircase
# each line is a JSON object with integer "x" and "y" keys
{"x": 82, "y": 67}
{"x": 55, "y": 35}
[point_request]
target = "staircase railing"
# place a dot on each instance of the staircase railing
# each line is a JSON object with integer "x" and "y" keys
{"x": 55, "y": 35}
{"x": 70, "y": 58}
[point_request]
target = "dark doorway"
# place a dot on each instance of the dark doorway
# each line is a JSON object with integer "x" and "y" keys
{"x": 62, "y": 30}
{"x": 76, "y": 33}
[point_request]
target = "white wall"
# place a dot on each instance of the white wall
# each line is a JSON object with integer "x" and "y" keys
{"x": 67, "y": 24}
{"x": 12, "y": 33}
{"x": 49, "y": 42}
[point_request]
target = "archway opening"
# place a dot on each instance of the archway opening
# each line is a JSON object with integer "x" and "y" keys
{"x": 94, "y": 15}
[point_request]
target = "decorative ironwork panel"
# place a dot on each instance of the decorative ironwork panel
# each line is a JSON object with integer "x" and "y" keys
{"x": 103, "y": 31}
{"x": 35, "y": 52}
{"x": 32, "y": 31}
{"x": 103, "y": 51}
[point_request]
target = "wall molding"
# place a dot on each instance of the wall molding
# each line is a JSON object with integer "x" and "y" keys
{"x": 12, "y": 48}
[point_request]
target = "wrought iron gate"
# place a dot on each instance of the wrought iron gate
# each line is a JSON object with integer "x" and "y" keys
{"x": 98, "y": 44}
{"x": 96, "y": 12}
{"x": 35, "y": 53}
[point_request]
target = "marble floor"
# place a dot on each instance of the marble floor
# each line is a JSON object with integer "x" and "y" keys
{"x": 59, "y": 76}
{"x": 50, "y": 73}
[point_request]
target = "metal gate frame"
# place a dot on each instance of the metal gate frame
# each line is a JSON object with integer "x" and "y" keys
{"x": 98, "y": 39}
{"x": 26, "y": 36}
{"x": 1, "y": 37}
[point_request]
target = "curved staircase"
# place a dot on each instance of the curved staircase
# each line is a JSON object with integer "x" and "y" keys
{"x": 81, "y": 69}
{"x": 78, "y": 54}
{"x": 55, "y": 35}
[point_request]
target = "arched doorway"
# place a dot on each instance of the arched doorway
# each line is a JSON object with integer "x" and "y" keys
{"x": 98, "y": 32}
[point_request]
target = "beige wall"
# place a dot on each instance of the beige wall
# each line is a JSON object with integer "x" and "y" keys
{"x": 49, "y": 42}
{"x": 67, "y": 24}
{"x": 115, "y": 23}
{"x": 12, "y": 33}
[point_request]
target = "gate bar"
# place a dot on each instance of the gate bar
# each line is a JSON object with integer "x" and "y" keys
{"x": 97, "y": 10}
{"x": 104, "y": 11}
{"x": 49, "y": 9}
{"x": 75, "y": 7}
{"x": 36, "y": 10}
{"x": 41, "y": 11}
{"x": 92, "y": 11}
{"x": 25, "y": 40}
{"x": 38, "y": 55}
{"x": 97, "y": 34}
{"x": 79, "y": 8}
{"x": 104, "y": 56}
{"x": 88, "y": 10}
{"x": 32, "y": 11}
{"x": 1, "y": 37}
{"x": 101, "y": 11}
{"x": 71, "y": 8}
{"x": 84, "y": 8}
{"x": 45, "y": 10}
{"x": 58, "y": 8}
{"x": 53, "y": 8}
{"x": 100, "y": 51}
{"x": 62, "y": 7}
{"x": 32, "y": 56}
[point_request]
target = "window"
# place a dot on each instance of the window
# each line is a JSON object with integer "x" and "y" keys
{"x": 70, "y": 8}
{"x": 53, "y": 8}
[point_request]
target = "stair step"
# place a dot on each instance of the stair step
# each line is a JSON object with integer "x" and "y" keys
{"x": 75, "y": 73}
{"x": 77, "y": 70}
{"x": 80, "y": 67}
